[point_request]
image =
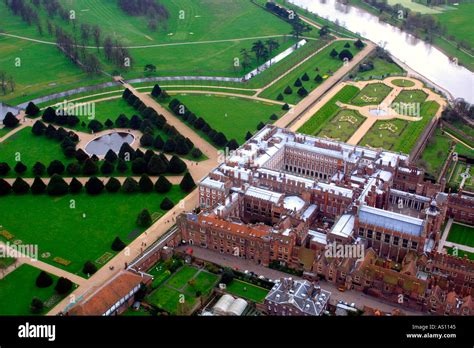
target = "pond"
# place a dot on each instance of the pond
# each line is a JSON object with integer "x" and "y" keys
{"x": 113, "y": 141}
{"x": 378, "y": 112}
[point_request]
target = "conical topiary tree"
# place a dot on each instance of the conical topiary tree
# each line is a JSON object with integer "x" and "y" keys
{"x": 166, "y": 204}
{"x": 118, "y": 244}
{"x": 89, "y": 268}
{"x": 44, "y": 280}
{"x": 113, "y": 185}
{"x": 144, "y": 218}
{"x": 187, "y": 184}
{"x": 162, "y": 185}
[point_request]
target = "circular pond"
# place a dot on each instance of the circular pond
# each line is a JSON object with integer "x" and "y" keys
{"x": 378, "y": 112}
{"x": 112, "y": 141}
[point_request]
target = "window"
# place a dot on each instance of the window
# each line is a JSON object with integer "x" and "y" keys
{"x": 405, "y": 243}
{"x": 387, "y": 238}
{"x": 396, "y": 240}
{"x": 369, "y": 234}
{"x": 378, "y": 235}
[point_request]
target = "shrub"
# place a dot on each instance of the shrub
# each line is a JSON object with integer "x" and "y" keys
{"x": 63, "y": 286}
{"x": 38, "y": 187}
{"x": 162, "y": 185}
{"x": 144, "y": 218}
{"x": 196, "y": 153}
{"x": 113, "y": 185}
{"x": 36, "y": 306}
{"x": 130, "y": 185}
{"x": 44, "y": 280}
{"x": 94, "y": 186}
{"x": 5, "y": 187}
{"x": 57, "y": 186}
{"x": 20, "y": 168}
{"x": 75, "y": 186}
{"x": 145, "y": 184}
{"x": 166, "y": 204}
{"x": 118, "y": 244}
{"x": 89, "y": 268}
{"x": 20, "y": 186}
{"x": 187, "y": 183}
{"x": 288, "y": 90}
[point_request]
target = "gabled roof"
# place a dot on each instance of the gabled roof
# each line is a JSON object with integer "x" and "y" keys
{"x": 390, "y": 220}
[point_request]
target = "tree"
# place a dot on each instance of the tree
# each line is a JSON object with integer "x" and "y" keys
{"x": 299, "y": 28}
{"x": 305, "y": 77}
{"x": 36, "y": 306}
{"x": 139, "y": 166}
{"x": 75, "y": 186}
{"x": 55, "y": 167}
{"x": 280, "y": 97}
{"x": 248, "y": 136}
{"x": 89, "y": 268}
{"x": 359, "y": 44}
{"x": 122, "y": 166}
{"x": 260, "y": 125}
{"x": 113, "y": 185}
{"x": 318, "y": 79}
{"x": 109, "y": 123}
{"x": 126, "y": 152}
{"x": 5, "y": 187}
{"x": 302, "y": 92}
{"x": 323, "y": 31}
{"x": 170, "y": 146}
{"x": 347, "y": 45}
{"x": 156, "y": 92}
{"x": 273, "y": 117}
{"x": 81, "y": 156}
{"x": 162, "y": 185}
{"x": 63, "y": 286}
{"x": 107, "y": 168}
{"x": 73, "y": 169}
{"x": 135, "y": 122}
{"x": 196, "y": 153}
{"x": 20, "y": 168}
{"x": 44, "y": 280}
{"x": 122, "y": 121}
{"x": 38, "y": 169}
{"x": 38, "y": 187}
{"x": 187, "y": 183}
{"x": 345, "y": 54}
{"x": 145, "y": 184}
{"x": 146, "y": 140}
{"x": 32, "y": 110}
{"x": 111, "y": 156}
{"x": 158, "y": 143}
{"x": 288, "y": 90}
{"x": 298, "y": 83}
{"x": 227, "y": 276}
{"x": 232, "y": 144}
{"x": 156, "y": 165}
{"x": 258, "y": 48}
{"x": 166, "y": 204}
{"x": 177, "y": 165}
{"x": 246, "y": 60}
{"x": 130, "y": 185}
{"x": 95, "y": 126}
{"x": 4, "y": 168}
{"x": 38, "y": 128}
{"x": 285, "y": 107}
{"x": 57, "y": 186}
{"x": 272, "y": 45}
{"x": 333, "y": 53}
{"x": 94, "y": 186}
{"x": 90, "y": 167}
{"x": 144, "y": 218}
{"x": 20, "y": 186}
{"x": 118, "y": 244}
{"x": 219, "y": 139}
{"x": 10, "y": 121}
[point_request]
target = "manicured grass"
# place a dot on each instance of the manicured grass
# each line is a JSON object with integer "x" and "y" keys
{"x": 64, "y": 232}
{"x": 411, "y": 96}
{"x": 204, "y": 282}
{"x": 169, "y": 300}
{"x": 181, "y": 278}
{"x": 372, "y": 94}
{"x": 414, "y": 6}
{"x": 321, "y": 64}
{"x": 230, "y": 115}
{"x": 456, "y": 178}
{"x": 403, "y": 83}
{"x": 321, "y": 117}
{"x": 18, "y": 289}
{"x": 381, "y": 69}
{"x": 458, "y": 22}
{"x": 247, "y": 291}
{"x": 342, "y": 125}
{"x": 28, "y": 148}
{"x": 436, "y": 153}
{"x": 384, "y": 134}
{"x": 160, "y": 274}
{"x": 461, "y": 253}
{"x": 461, "y": 234}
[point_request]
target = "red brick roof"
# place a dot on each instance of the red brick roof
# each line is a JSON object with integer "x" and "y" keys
{"x": 237, "y": 229}
{"x": 99, "y": 301}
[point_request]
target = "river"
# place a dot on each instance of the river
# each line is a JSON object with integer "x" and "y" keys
{"x": 423, "y": 58}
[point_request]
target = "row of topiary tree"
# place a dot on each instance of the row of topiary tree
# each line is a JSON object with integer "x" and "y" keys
{"x": 57, "y": 186}
{"x": 44, "y": 280}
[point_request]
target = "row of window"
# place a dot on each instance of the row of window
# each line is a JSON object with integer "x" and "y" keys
{"x": 387, "y": 238}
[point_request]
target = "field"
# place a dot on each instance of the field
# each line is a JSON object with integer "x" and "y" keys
{"x": 458, "y": 21}
{"x": 384, "y": 134}
{"x": 415, "y": 7}
{"x": 411, "y": 96}
{"x": 461, "y": 234}
{"x": 18, "y": 288}
{"x": 342, "y": 125}
{"x": 320, "y": 118}
{"x": 168, "y": 295}
{"x": 231, "y": 115}
{"x": 381, "y": 68}
{"x": 247, "y": 291}
{"x": 435, "y": 153}
{"x": 203, "y": 22}
{"x": 64, "y": 232}
{"x": 403, "y": 83}
{"x": 371, "y": 94}
{"x": 28, "y": 148}
{"x": 321, "y": 64}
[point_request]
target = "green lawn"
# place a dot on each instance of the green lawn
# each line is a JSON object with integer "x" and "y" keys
{"x": 231, "y": 115}
{"x": 160, "y": 274}
{"x": 461, "y": 253}
{"x": 18, "y": 289}
{"x": 384, "y": 134}
{"x": 436, "y": 153}
{"x": 381, "y": 69}
{"x": 64, "y": 232}
{"x": 169, "y": 300}
{"x": 458, "y": 22}
{"x": 342, "y": 125}
{"x": 321, "y": 64}
{"x": 456, "y": 178}
{"x": 461, "y": 234}
{"x": 403, "y": 83}
{"x": 204, "y": 282}
{"x": 411, "y": 96}
{"x": 181, "y": 278}
{"x": 372, "y": 94}
{"x": 325, "y": 113}
{"x": 247, "y": 291}
{"x": 28, "y": 148}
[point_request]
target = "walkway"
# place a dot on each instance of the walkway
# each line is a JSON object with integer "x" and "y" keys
{"x": 442, "y": 241}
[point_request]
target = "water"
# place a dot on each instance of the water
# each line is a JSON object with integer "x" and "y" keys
{"x": 378, "y": 112}
{"x": 112, "y": 141}
{"x": 418, "y": 55}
